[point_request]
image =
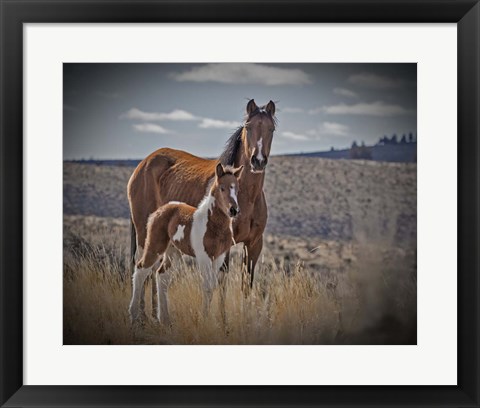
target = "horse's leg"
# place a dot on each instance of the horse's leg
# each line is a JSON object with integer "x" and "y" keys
{"x": 207, "y": 269}
{"x": 222, "y": 281}
{"x": 143, "y": 199}
{"x": 139, "y": 233}
{"x": 138, "y": 255}
{"x": 211, "y": 277}
{"x": 142, "y": 293}
{"x": 153, "y": 298}
{"x": 133, "y": 247}
{"x": 153, "y": 288}
{"x": 156, "y": 243}
{"x": 163, "y": 280}
{"x": 138, "y": 282}
{"x": 251, "y": 252}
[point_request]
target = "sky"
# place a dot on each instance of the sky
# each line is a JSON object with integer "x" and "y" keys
{"x": 126, "y": 111}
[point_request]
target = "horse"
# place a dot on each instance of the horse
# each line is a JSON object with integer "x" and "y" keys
{"x": 174, "y": 175}
{"x": 205, "y": 233}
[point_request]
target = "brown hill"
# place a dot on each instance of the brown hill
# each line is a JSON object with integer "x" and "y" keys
{"x": 307, "y": 197}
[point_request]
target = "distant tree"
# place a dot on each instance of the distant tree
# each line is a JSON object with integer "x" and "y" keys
{"x": 365, "y": 152}
{"x": 354, "y": 150}
{"x": 410, "y": 137}
{"x": 332, "y": 149}
{"x": 383, "y": 140}
{"x": 403, "y": 140}
{"x": 362, "y": 152}
{"x": 388, "y": 141}
{"x": 393, "y": 140}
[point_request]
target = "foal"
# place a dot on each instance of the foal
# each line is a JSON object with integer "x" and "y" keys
{"x": 204, "y": 232}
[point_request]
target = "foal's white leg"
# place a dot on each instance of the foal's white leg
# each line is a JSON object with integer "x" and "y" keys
{"x": 162, "y": 282}
{"x": 138, "y": 281}
{"x": 208, "y": 287}
{"x": 154, "y": 292}
{"x": 138, "y": 256}
{"x": 163, "y": 279}
{"x": 216, "y": 266}
{"x": 205, "y": 268}
{"x": 210, "y": 272}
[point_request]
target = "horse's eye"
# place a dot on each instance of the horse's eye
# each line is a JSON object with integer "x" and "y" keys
{"x": 221, "y": 188}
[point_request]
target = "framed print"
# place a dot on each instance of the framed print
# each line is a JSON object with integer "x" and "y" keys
{"x": 237, "y": 203}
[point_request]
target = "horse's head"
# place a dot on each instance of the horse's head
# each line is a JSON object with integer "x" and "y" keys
{"x": 258, "y": 134}
{"x": 225, "y": 189}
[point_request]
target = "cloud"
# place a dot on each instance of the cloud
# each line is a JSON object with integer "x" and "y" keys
{"x": 150, "y": 128}
{"x": 375, "y": 81}
{"x": 293, "y": 136}
{"x": 337, "y": 129}
{"x": 324, "y": 129}
{"x": 345, "y": 92}
{"x": 208, "y": 123}
{"x": 292, "y": 110}
{"x": 316, "y": 111}
{"x": 175, "y": 115}
{"x": 253, "y": 74}
{"x": 329, "y": 128}
{"x": 378, "y": 108}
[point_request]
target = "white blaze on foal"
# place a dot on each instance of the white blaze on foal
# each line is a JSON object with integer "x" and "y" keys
{"x": 233, "y": 192}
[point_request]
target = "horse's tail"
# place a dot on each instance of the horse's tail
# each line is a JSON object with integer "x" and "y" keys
{"x": 133, "y": 246}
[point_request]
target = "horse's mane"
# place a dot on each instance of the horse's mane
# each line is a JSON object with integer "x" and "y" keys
{"x": 227, "y": 158}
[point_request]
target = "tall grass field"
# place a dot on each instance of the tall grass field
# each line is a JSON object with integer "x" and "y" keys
{"x": 338, "y": 264}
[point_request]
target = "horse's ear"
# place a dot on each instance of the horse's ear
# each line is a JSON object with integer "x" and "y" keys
{"x": 238, "y": 172}
{"x": 219, "y": 170}
{"x": 251, "y": 106}
{"x": 270, "y": 108}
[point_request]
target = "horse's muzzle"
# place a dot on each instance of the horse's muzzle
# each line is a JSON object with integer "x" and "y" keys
{"x": 258, "y": 165}
{"x": 234, "y": 212}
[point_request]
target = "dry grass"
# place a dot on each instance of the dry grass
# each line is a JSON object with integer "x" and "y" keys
{"x": 372, "y": 302}
{"x": 338, "y": 264}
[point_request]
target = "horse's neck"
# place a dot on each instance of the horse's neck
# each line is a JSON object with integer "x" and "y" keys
{"x": 248, "y": 181}
{"x": 213, "y": 213}
{"x": 219, "y": 220}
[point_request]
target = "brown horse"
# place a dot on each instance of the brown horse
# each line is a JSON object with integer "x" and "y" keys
{"x": 205, "y": 233}
{"x": 168, "y": 175}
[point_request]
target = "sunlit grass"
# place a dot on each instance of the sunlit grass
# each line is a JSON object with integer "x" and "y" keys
{"x": 371, "y": 302}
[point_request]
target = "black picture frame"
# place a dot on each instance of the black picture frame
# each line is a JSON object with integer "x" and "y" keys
{"x": 465, "y": 13}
